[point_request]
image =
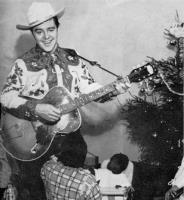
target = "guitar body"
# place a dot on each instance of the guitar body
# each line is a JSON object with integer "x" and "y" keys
{"x": 19, "y": 137}
{"x": 28, "y": 140}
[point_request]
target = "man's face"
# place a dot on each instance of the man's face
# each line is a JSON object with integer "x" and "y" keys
{"x": 46, "y": 35}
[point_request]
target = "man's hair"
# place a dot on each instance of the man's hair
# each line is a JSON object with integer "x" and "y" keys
{"x": 118, "y": 163}
{"x": 56, "y": 21}
{"x": 73, "y": 151}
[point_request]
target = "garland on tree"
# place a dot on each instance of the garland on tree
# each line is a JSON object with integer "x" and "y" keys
{"x": 156, "y": 126}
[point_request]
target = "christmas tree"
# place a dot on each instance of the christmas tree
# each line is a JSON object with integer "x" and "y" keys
{"x": 155, "y": 116}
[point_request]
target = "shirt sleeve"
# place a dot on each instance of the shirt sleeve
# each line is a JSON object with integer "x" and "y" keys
{"x": 87, "y": 83}
{"x": 46, "y": 169}
{"x": 10, "y": 99}
{"x": 89, "y": 188}
{"x": 95, "y": 193}
{"x": 42, "y": 173}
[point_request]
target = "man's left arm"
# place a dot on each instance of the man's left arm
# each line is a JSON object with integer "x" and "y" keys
{"x": 88, "y": 84}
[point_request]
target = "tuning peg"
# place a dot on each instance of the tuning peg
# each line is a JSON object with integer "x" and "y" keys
{"x": 172, "y": 42}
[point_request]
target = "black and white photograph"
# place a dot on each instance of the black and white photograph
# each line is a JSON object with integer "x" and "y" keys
{"x": 91, "y": 99}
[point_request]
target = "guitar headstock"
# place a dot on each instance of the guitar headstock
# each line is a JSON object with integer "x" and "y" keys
{"x": 141, "y": 73}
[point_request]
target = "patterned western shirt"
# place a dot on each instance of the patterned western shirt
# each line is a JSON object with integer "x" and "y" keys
{"x": 67, "y": 183}
{"x": 36, "y": 72}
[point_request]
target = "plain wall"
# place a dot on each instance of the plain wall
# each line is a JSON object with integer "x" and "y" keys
{"x": 119, "y": 34}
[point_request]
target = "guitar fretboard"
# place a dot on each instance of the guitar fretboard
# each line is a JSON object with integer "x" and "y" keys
{"x": 87, "y": 98}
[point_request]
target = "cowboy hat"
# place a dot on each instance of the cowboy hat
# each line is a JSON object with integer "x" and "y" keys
{"x": 38, "y": 13}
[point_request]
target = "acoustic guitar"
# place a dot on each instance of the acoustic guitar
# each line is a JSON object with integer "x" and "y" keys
{"x": 20, "y": 136}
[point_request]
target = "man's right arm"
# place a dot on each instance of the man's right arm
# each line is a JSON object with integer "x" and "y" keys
{"x": 10, "y": 99}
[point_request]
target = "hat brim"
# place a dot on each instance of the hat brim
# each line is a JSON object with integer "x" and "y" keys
{"x": 58, "y": 14}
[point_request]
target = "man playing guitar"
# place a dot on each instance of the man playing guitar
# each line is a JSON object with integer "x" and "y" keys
{"x": 44, "y": 67}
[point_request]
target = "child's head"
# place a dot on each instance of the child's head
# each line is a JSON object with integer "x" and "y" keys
{"x": 118, "y": 163}
{"x": 73, "y": 151}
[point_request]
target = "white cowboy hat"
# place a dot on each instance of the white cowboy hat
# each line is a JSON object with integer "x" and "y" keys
{"x": 38, "y": 13}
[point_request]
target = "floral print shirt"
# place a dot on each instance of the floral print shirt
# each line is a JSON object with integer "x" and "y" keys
{"x": 36, "y": 72}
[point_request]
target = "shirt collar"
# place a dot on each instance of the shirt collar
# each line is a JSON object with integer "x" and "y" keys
{"x": 46, "y": 59}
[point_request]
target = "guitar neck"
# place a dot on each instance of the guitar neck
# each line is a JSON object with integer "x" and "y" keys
{"x": 87, "y": 98}
{"x": 180, "y": 51}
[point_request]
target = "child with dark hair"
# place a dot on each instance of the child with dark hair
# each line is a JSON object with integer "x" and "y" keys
{"x": 118, "y": 163}
{"x": 64, "y": 176}
{"x": 139, "y": 175}
{"x": 73, "y": 151}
